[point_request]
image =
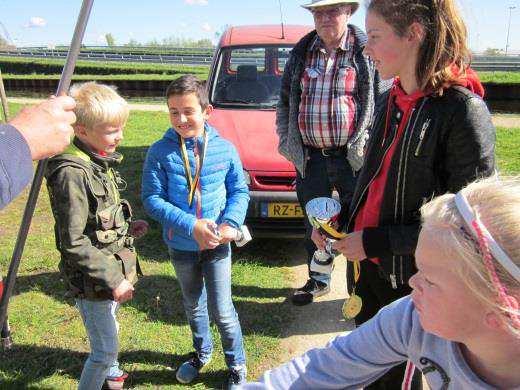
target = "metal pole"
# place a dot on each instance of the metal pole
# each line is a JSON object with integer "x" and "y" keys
{"x": 63, "y": 87}
{"x": 6, "y": 341}
{"x": 511, "y": 8}
{"x": 3, "y": 97}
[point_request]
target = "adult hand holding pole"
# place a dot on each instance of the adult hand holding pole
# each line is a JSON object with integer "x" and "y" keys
{"x": 47, "y": 127}
{"x": 63, "y": 88}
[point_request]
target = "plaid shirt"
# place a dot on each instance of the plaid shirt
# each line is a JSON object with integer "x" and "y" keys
{"x": 327, "y": 113}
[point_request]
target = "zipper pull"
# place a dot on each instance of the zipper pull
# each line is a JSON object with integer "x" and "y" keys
{"x": 393, "y": 280}
{"x": 421, "y": 136}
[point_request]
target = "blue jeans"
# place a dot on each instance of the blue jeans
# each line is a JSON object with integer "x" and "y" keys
{"x": 99, "y": 318}
{"x": 323, "y": 174}
{"x": 205, "y": 280}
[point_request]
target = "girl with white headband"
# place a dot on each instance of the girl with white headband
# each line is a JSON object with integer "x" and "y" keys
{"x": 431, "y": 134}
{"x": 461, "y": 324}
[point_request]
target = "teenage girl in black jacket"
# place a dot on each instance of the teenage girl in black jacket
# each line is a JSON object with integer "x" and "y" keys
{"x": 431, "y": 134}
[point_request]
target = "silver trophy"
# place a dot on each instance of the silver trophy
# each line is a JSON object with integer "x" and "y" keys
{"x": 322, "y": 214}
{"x": 242, "y": 237}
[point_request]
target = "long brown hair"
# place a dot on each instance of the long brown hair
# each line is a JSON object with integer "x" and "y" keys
{"x": 443, "y": 55}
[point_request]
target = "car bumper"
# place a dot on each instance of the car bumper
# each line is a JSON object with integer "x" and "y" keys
{"x": 262, "y": 226}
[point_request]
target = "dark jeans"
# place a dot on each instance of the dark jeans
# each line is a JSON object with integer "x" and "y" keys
{"x": 322, "y": 175}
{"x": 376, "y": 292}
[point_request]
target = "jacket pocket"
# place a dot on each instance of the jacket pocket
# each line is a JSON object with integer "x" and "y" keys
{"x": 96, "y": 186}
{"x": 129, "y": 264}
{"x": 109, "y": 216}
{"x": 106, "y": 236}
{"x": 345, "y": 81}
{"x": 115, "y": 217}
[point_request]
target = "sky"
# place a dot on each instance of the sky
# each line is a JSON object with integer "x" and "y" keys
{"x": 51, "y": 22}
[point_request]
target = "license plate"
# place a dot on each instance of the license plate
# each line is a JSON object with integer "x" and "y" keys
{"x": 282, "y": 210}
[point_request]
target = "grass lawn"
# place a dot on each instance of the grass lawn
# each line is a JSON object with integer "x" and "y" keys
{"x": 508, "y": 146}
{"x": 500, "y": 77}
{"x": 50, "y": 342}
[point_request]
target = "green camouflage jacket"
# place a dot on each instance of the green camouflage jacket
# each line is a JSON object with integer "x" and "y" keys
{"x": 92, "y": 222}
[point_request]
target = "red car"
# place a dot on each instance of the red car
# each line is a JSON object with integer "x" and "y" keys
{"x": 244, "y": 86}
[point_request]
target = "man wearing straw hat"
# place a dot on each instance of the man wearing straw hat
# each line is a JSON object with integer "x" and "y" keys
{"x": 326, "y": 104}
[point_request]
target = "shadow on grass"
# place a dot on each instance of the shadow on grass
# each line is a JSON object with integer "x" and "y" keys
{"x": 160, "y": 297}
{"x": 256, "y": 317}
{"x": 25, "y": 365}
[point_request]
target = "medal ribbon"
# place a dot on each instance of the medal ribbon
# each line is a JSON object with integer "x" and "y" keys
{"x": 357, "y": 272}
{"x": 193, "y": 182}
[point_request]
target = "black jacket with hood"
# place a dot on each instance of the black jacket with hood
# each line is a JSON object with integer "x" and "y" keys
{"x": 449, "y": 141}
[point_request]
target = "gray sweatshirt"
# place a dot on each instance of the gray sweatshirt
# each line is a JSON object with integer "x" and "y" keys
{"x": 15, "y": 164}
{"x": 358, "y": 358}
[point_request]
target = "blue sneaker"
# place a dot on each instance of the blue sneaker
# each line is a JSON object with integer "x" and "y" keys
{"x": 236, "y": 378}
{"x": 189, "y": 370}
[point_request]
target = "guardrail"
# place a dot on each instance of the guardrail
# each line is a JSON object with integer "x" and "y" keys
{"x": 479, "y": 63}
{"x": 126, "y": 49}
{"x": 187, "y": 59}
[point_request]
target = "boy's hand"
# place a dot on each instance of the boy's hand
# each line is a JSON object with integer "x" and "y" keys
{"x": 227, "y": 233}
{"x": 138, "y": 228}
{"x": 203, "y": 233}
{"x": 318, "y": 239}
{"x": 124, "y": 292}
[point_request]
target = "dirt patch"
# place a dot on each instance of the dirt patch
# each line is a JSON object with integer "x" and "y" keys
{"x": 317, "y": 323}
{"x": 506, "y": 120}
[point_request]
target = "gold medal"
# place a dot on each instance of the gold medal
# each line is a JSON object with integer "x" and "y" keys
{"x": 352, "y": 306}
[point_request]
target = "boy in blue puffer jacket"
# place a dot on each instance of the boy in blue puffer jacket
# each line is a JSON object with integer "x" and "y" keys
{"x": 193, "y": 184}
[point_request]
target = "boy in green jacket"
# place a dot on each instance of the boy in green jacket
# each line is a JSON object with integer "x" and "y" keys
{"x": 94, "y": 230}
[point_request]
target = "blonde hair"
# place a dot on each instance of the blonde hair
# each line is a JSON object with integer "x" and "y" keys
{"x": 98, "y": 104}
{"x": 496, "y": 201}
{"x": 445, "y": 43}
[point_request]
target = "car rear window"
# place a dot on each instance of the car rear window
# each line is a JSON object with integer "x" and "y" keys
{"x": 254, "y": 56}
{"x": 248, "y": 76}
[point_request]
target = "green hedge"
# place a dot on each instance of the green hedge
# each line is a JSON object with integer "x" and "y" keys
{"x": 21, "y": 66}
{"x": 27, "y": 66}
{"x": 84, "y": 77}
{"x": 144, "y": 50}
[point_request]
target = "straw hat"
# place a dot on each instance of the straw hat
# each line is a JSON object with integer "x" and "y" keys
{"x": 324, "y": 3}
